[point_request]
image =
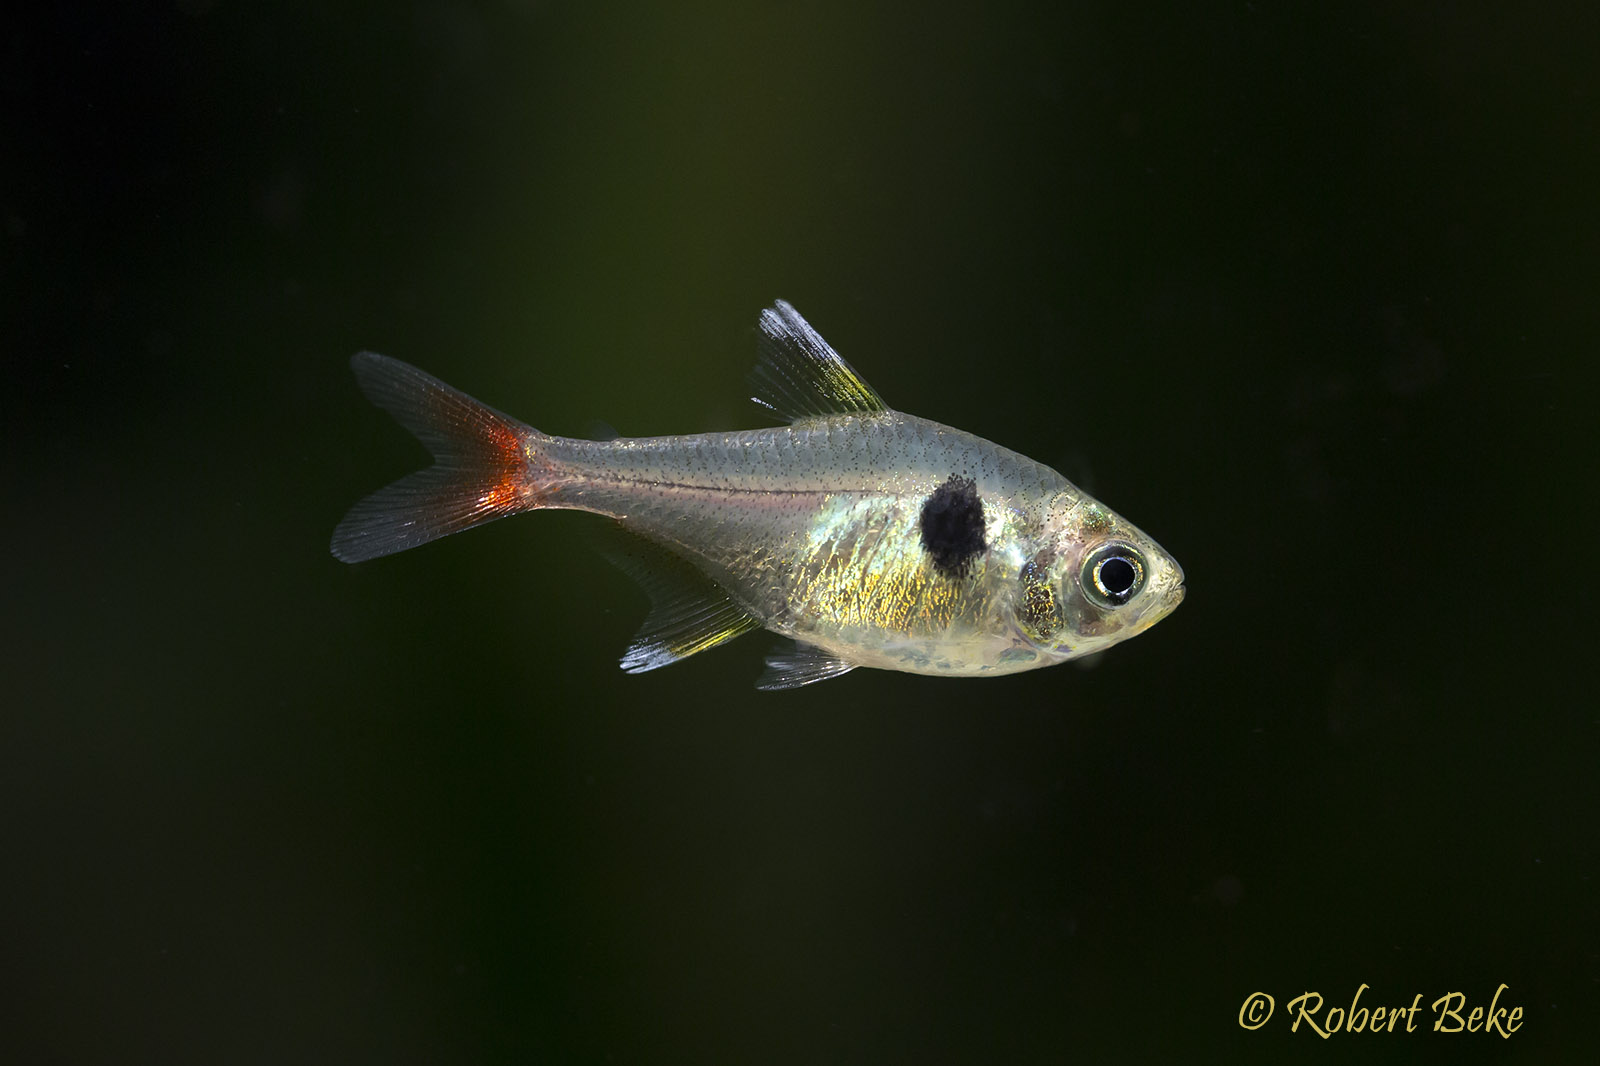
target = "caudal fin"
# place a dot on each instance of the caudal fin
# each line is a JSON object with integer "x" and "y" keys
{"x": 485, "y": 464}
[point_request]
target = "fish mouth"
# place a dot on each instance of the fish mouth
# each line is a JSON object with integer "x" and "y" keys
{"x": 1174, "y": 594}
{"x": 1165, "y": 605}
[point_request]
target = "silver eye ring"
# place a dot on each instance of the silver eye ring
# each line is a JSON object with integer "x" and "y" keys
{"x": 1113, "y": 574}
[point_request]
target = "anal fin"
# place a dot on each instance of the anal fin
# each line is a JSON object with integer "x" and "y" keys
{"x": 801, "y": 664}
{"x": 689, "y": 612}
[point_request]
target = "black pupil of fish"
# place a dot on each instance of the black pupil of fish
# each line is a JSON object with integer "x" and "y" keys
{"x": 1117, "y": 576}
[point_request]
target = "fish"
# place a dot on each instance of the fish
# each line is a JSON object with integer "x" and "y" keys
{"x": 863, "y": 536}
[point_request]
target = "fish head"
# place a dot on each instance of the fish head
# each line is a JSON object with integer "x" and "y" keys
{"x": 1092, "y": 579}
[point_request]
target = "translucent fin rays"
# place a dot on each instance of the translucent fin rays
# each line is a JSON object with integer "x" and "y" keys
{"x": 799, "y": 375}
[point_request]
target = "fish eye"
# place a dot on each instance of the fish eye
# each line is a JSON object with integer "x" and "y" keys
{"x": 1113, "y": 574}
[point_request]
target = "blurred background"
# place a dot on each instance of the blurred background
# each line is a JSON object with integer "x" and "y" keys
{"x": 1307, "y": 294}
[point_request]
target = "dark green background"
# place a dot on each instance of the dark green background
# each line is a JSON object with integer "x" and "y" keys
{"x": 1308, "y": 294}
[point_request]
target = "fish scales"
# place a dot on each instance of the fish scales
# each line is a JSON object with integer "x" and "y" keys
{"x": 817, "y": 500}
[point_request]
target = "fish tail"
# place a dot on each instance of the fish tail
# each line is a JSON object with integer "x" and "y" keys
{"x": 486, "y": 465}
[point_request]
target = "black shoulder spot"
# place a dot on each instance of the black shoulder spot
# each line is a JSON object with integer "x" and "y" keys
{"x": 952, "y": 526}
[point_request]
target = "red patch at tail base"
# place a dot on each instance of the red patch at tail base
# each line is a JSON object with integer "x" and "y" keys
{"x": 485, "y": 467}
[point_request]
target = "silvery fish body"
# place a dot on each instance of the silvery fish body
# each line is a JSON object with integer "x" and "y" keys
{"x": 869, "y": 536}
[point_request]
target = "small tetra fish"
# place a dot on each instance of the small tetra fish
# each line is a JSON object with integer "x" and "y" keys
{"x": 871, "y": 537}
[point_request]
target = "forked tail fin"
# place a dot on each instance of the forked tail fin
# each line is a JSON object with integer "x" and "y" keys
{"x": 485, "y": 464}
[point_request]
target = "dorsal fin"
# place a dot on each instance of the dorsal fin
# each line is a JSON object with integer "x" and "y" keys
{"x": 799, "y": 376}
